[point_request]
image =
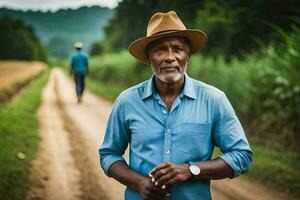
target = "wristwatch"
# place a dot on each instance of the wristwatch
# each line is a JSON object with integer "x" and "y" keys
{"x": 194, "y": 169}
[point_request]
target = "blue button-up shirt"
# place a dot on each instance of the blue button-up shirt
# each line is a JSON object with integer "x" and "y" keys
{"x": 79, "y": 62}
{"x": 200, "y": 118}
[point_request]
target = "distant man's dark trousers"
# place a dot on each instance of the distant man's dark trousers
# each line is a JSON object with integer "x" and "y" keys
{"x": 79, "y": 81}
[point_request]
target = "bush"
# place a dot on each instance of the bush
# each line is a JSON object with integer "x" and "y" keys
{"x": 277, "y": 91}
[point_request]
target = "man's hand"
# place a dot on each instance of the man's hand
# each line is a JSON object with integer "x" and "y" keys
{"x": 149, "y": 191}
{"x": 167, "y": 174}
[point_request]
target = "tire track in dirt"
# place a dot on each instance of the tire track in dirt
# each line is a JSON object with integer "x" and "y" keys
{"x": 67, "y": 165}
{"x": 54, "y": 175}
{"x": 90, "y": 187}
{"x": 90, "y": 118}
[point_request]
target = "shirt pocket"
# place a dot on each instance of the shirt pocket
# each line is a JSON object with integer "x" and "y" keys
{"x": 195, "y": 138}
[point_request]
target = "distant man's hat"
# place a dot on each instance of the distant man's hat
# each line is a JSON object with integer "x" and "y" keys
{"x": 163, "y": 25}
{"x": 78, "y": 45}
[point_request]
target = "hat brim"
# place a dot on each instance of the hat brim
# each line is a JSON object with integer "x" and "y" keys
{"x": 197, "y": 40}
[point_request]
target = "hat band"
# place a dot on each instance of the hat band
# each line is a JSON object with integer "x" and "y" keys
{"x": 167, "y": 31}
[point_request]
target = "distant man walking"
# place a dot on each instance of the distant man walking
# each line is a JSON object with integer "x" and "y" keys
{"x": 79, "y": 67}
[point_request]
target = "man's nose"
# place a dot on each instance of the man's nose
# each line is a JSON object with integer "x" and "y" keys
{"x": 170, "y": 56}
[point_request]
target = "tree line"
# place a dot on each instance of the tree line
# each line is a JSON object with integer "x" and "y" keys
{"x": 19, "y": 41}
{"x": 234, "y": 27}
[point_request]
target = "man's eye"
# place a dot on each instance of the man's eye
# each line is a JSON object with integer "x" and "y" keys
{"x": 178, "y": 49}
{"x": 158, "y": 50}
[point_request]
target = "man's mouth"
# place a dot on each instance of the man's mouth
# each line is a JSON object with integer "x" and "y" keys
{"x": 170, "y": 69}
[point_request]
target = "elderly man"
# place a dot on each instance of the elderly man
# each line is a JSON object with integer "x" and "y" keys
{"x": 79, "y": 67}
{"x": 172, "y": 123}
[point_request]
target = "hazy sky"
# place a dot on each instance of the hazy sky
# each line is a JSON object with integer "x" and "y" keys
{"x": 54, "y": 5}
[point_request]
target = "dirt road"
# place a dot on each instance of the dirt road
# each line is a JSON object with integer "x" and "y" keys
{"x": 67, "y": 165}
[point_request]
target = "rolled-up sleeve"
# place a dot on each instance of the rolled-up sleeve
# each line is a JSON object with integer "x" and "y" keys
{"x": 230, "y": 137}
{"x": 116, "y": 137}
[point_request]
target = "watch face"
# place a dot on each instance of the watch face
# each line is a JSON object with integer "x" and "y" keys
{"x": 195, "y": 170}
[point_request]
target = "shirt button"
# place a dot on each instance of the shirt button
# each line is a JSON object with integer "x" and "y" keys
{"x": 164, "y": 112}
{"x": 168, "y": 130}
{"x": 167, "y": 152}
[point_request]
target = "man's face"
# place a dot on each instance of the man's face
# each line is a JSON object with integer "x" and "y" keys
{"x": 169, "y": 57}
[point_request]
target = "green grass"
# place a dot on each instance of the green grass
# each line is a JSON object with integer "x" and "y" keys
{"x": 276, "y": 167}
{"x": 109, "y": 92}
{"x": 19, "y": 133}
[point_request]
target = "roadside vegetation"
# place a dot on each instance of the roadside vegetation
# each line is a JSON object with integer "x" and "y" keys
{"x": 19, "y": 140}
{"x": 279, "y": 168}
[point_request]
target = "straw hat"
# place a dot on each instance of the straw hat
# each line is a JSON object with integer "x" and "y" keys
{"x": 78, "y": 45}
{"x": 163, "y": 25}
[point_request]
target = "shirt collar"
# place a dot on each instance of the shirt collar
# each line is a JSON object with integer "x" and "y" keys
{"x": 188, "y": 88}
{"x": 148, "y": 89}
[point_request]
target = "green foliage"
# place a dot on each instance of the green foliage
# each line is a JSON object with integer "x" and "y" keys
{"x": 278, "y": 89}
{"x": 58, "y": 62}
{"x": 18, "y": 41}
{"x": 119, "y": 68}
{"x": 232, "y": 77}
{"x": 220, "y": 22}
{"x": 19, "y": 133}
{"x": 264, "y": 89}
{"x": 233, "y": 27}
{"x": 108, "y": 91}
{"x": 97, "y": 48}
{"x": 132, "y": 16}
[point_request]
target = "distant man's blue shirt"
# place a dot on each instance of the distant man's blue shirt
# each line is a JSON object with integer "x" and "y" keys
{"x": 200, "y": 118}
{"x": 79, "y": 62}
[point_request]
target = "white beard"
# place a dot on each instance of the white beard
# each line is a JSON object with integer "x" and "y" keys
{"x": 170, "y": 79}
